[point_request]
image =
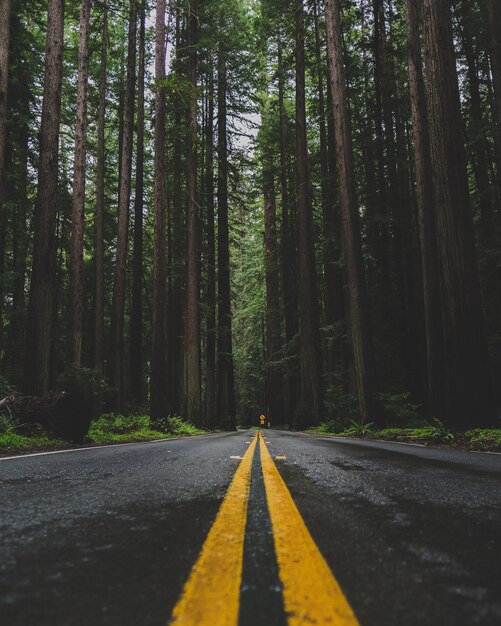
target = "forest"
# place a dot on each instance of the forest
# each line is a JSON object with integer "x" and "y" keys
{"x": 221, "y": 208}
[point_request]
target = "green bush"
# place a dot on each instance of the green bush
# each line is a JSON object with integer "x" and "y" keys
{"x": 399, "y": 407}
{"x": 116, "y": 424}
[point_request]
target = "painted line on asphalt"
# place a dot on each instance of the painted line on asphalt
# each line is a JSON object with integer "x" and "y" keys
{"x": 311, "y": 593}
{"x": 211, "y": 596}
{"x": 109, "y": 445}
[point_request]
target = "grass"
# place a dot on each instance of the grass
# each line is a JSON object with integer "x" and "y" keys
{"x": 108, "y": 428}
{"x": 488, "y": 440}
{"x": 13, "y": 442}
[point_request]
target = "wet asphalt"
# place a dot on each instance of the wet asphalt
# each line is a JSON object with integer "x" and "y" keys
{"x": 108, "y": 536}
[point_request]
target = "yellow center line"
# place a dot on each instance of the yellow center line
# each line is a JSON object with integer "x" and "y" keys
{"x": 311, "y": 593}
{"x": 211, "y": 596}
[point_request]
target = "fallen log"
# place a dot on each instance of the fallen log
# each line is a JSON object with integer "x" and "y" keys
{"x": 63, "y": 414}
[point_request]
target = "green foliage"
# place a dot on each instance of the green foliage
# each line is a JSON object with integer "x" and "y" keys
{"x": 11, "y": 441}
{"x": 359, "y": 428}
{"x": 440, "y": 433}
{"x": 488, "y": 439}
{"x": 111, "y": 427}
{"x": 399, "y": 406}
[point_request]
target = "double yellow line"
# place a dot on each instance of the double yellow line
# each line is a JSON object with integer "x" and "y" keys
{"x": 311, "y": 594}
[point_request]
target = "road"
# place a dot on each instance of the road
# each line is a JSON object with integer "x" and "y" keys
{"x": 109, "y": 535}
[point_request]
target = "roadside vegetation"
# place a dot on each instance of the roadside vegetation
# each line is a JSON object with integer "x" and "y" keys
{"x": 435, "y": 434}
{"x": 108, "y": 428}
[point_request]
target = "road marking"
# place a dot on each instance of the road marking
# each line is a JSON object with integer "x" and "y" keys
{"x": 280, "y": 458}
{"x": 311, "y": 593}
{"x": 211, "y": 596}
{"x": 235, "y": 457}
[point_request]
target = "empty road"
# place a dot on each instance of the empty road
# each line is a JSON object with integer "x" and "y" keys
{"x": 147, "y": 534}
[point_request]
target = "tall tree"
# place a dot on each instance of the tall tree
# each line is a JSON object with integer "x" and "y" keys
{"x": 37, "y": 361}
{"x": 158, "y": 399}
{"x": 136, "y": 322}
{"x": 309, "y": 337}
{"x": 350, "y": 219}
{"x": 100, "y": 201}
{"x": 225, "y": 391}
{"x": 75, "y": 304}
{"x": 192, "y": 334}
{"x": 118, "y": 305}
{"x": 210, "y": 349}
{"x": 467, "y": 391}
{"x": 4, "y": 75}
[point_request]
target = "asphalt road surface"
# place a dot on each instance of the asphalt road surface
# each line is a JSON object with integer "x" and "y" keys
{"x": 111, "y": 535}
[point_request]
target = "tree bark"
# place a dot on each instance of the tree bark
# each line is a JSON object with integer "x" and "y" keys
{"x": 158, "y": 396}
{"x": 288, "y": 255}
{"x": 4, "y": 82}
{"x": 350, "y": 220}
{"x": 136, "y": 324}
{"x": 310, "y": 408}
{"x": 100, "y": 202}
{"x": 192, "y": 334}
{"x": 210, "y": 384}
{"x": 75, "y": 304}
{"x": 225, "y": 391}
{"x": 118, "y": 305}
{"x": 468, "y": 391}
{"x": 37, "y": 358}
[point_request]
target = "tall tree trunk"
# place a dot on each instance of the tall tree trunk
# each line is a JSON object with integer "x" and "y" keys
{"x": 4, "y": 81}
{"x": 136, "y": 324}
{"x": 100, "y": 202}
{"x": 288, "y": 255}
{"x": 210, "y": 384}
{"x": 274, "y": 377}
{"x": 192, "y": 334}
{"x": 75, "y": 304}
{"x": 328, "y": 199}
{"x": 177, "y": 252}
{"x": 118, "y": 305}
{"x": 350, "y": 219}
{"x": 158, "y": 398}
{"x": 494, "y": 27}
{"x": 467, "y": 392}
{"x": 226, "y": 390}
{"x": 37, "y": 358}
{"x": 426, "y": 217}
{"x": 310, "y": 408}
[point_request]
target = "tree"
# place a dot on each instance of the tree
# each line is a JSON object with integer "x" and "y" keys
{"x": 37, "y": 358}
{"x": 136, "y": 331}
{"x": 309, "y": 339}
{"x": 78, "y": 201}
{"x": 225, "y": 390}
{"x": 118, "y": 306}
{"x": 467, "y": 390}
{"x": 192, "y": 334}
{"x": 100, "y": 202}
{"x": 350, "y": 220}
{"x": 158, "y": 399}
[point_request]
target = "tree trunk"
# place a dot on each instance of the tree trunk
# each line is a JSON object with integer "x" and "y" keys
{"x": 118, "y": 305}
{"x": 100, "y": 202}
{"x": 426, "y": 217}
{"x": 4, "y": 76}
{"x": 136, "y": 324}
{"x": 192, "y": 334}
{"x": 225, "y": 391}
{"x": 310, "y": 408}
{"x": 37, "y": 358}
{"x": 158, "y": 397}
{"x": 274, "y": 377}
{"x": 210, "y": 384}
{"x": 350, "y": 220}
{"x": 75, "y": 303}
{"x": 467, "y": 392}
{"x": 288, "y": 256}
